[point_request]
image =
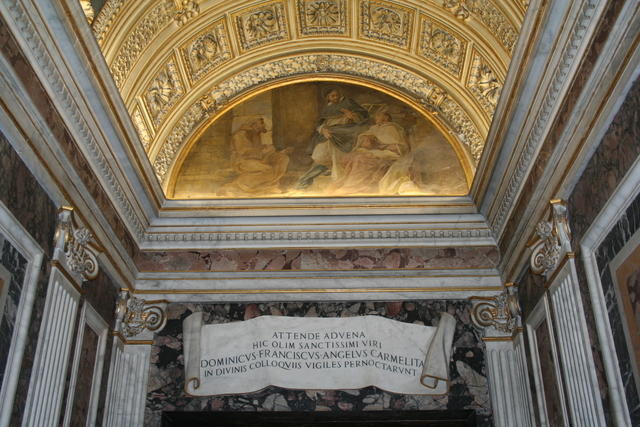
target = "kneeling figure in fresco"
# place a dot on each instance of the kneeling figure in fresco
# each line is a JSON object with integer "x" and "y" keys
{"x": 259, "y": 167}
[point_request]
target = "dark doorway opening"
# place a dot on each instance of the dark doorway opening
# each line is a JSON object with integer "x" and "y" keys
{"x": 320, "y": 419}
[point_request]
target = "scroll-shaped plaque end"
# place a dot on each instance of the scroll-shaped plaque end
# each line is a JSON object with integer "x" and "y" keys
{"x": 436, "y": 365}
{"x": 191, "y": 332}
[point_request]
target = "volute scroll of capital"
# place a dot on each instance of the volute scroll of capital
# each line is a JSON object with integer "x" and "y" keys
{"x": 552, "y": 240}
{"x": 138, "y": 318}
{"x": 75, "y": 247}
{"x": 499, "y": 315}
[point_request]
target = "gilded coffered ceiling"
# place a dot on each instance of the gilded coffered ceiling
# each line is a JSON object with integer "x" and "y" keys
{"x": 180, "y": 64}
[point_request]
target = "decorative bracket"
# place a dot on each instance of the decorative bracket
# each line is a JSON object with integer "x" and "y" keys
{"x": 75, "y": 247}
{"x": 139, "y": 318}
{"x": 499, "y": 315}
{"x": 552, "y": 241}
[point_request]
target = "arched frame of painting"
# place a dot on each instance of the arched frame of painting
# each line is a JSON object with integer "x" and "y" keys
{"x": 461, "y": 153}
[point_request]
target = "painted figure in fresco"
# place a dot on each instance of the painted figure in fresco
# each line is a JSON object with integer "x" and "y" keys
{"x": 374, "y": 165}
{"x": 341, "y": 121}
{"x": 259, "y": 167}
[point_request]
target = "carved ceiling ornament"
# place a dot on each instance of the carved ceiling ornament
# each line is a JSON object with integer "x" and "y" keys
{"x": 187, "y": 9}
{"x": 160, "y": 16}
{"x": 552, "y": 241}
{"x": 484, "y": 84}
{"x": 318, "y": 17}
{"x": 386, "y": 22}
{"x": 136, "y": 316}
{"x": 442, "y": 46}
{"x": 206, "y": 51}
{"x": 428, "y": 94}
{"x": 75, "y": 246}
{"x": 499, "y": 315}
{"x": 163, "y": 91}
{"x": 142, "y": 128}
{"x": 490, "y": 15}
{"x": 261, "y": 25}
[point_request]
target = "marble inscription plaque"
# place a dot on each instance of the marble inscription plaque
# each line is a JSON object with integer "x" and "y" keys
{"x": 316, "y": 353}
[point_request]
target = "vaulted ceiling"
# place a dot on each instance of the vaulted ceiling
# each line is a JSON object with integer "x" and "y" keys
{"x": 181, "y": 64}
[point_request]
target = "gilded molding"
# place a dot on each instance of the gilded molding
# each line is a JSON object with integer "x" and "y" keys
{"x": 490, "y": 15}
{"x": 431, "y": 96}
{"x": 102, "y": 23}
{"x": 262, "y": 25}
{"x": 322, "y": 17}
{"x": 484, "y": 84}
{"x": 141, "y": 128}
{"x": 553, "y": 240}
{"x": 206, "y": 51}
{"x": 536, "y": 134}
{"x": 135, "y": 316}
{"x": 499, "y": 315}
{"x": 75, "y": 246}
{"x": 386, "y": 22}
{"x": 442, "y": 46}
{"x": 88, "y": 10}
{"x": 137, "y": 41}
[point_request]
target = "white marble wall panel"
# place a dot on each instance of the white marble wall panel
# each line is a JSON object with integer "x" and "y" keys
{"x": 508, "y": 383}
{"x": 127, "y": 389}
{"x": 577, "y": 365}
{"x": 46, "y": 388}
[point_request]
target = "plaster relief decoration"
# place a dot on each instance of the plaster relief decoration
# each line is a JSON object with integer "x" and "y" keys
{"x": 442, "y": 46}
{"x": 346, "y": 140}
{"x": 141, "y": 127}
{"x": 135, "y": 43}
{"x": 261, "y": 25}
{"x": 386, "y": 22}
{"x": 497, "y": 315}
{"x": 165, "y": 89}
{"x": 187, "y": 10}
{"x": 206, "y": 51}
{"x": 458, "y": 7}
{"x": 317, "y": 17}
{"x": 491, "y": 17}
{"x": 309, "y": 353}
{"x": 552, "y": 241}
{"x": 137, "y": 317}
{"x": 75, "y": 246}
{"x": 484, "y": 84}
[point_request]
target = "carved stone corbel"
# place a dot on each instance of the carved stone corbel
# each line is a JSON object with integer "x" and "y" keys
{"x": 138, "y": 318}
{"x": 552, "y": 241}
{"x": 75, "y": 247}
{"x": 499, "y": 315}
